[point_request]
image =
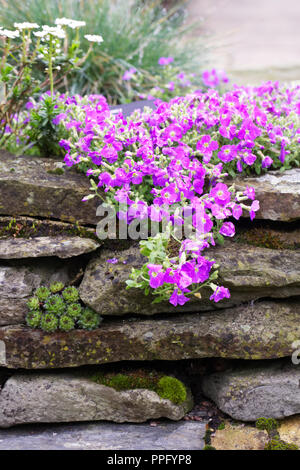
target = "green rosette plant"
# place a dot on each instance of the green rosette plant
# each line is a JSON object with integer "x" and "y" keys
{"x": 74, "y": 310}
{"x": 49, "y": 322}
{"x": 42, "y": 293}
{"x": 66, "y": 323}
{"x": 70, "y": 294}
{"x": 33, "y": 303}
{"x": 33, "y": 318}
{"x": 55, "y": 304}
{"x": 50, "y": 311}
{"x": 56, "y": 287}
{"x": 89, "y": 320}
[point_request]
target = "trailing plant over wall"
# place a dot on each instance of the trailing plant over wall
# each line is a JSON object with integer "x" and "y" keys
{"x": 156, "y": 165}
{"x": 59, "y": 308}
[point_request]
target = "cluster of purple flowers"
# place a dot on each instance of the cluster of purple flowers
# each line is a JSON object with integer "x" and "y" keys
{"x": 179, "y": 154}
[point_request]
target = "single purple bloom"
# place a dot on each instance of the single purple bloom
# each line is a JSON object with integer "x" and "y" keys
{"x": 165, "y": 60}
{"x": 220, "y": 293}
{"x": 227, "y": 229}
{"x": 112, "y": 260}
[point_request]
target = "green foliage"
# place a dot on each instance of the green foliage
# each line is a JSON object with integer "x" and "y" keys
{"x": 49, "y": 322}
{"x": 52, "y": 312}
{"x": 268, "y": 424}
{"x": 136, "y": 34}
{"x": 278, "y": 444}
{"x": 43, "y": 134}
{"x": 172, "y": 389}
{"x": 33, "y": 318}
{"x": 89, "y": 320}
{"x": 33, "y": 303}
{"x": 70, "y": 294}
{"x": 209, "y": 447}
{"x": 42, "y": 293}
{"x": 56, "y": 287}
{"x": 74, "y": 310}
{"x": 66, "y": 323}
{"x": 221, "y": 426}
{"x": 55, "y": 304}
{"x": 166, "y": 387}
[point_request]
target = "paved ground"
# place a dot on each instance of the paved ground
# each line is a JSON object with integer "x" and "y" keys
{"x": 259, "y": 39}
{"x": 166, "y": 435}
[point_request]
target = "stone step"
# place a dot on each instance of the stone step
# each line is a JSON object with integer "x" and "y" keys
{"x": 262, "y": 330}
{"x": 166, "y": 435}
{"x": 51, "y": 397}
{"x": 268, "y": 389}
{"x": 30, "y": 186}
{"x": 249, "y": 272}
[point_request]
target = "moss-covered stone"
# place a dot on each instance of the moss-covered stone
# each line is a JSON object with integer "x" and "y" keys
{"x": 166, "y": 387}
{"x": 265, "y": 330}
{"x": 279, "y": 444}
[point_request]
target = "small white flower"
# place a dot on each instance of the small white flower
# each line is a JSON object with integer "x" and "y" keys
{"x": 68, "y": 22}
{"x": 7, "y": 33}
{"x": 40, "y": 34}
{"x": 56, "y": 31}
{"x": 26, "y": 25}
{"x": 94, "y": 38}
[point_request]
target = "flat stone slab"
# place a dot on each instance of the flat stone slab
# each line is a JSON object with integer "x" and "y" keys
{"x": 67, "y": 397}
{"x": 29, "y": 186}
{"x": 17, "y": 284}
{"x": 60, "y": 246}
{"x": 248, "y": 271}
{"x": 239, "y": 437}
{"x": 278, "y": 194}
{"x": 269, "y": 390}
{"x": 182, "y": 435}
{"x": 265, "y": 330}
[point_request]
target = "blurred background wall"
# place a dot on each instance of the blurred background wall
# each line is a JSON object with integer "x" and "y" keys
{"x": 256, "y": 39}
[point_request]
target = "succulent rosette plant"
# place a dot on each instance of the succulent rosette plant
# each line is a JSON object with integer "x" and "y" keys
{"x": 54, "y": 308}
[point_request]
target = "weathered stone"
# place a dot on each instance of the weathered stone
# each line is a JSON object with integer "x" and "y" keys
{"x": 289, "y": 430}
{"x": 17, "y": 284}
{"x": 263, "y": 330}
{"x": 29, "y": 186}
{"x": 249, "y": 272}
{"x": 166, "y": 435}
{"x": 66, "y": 397}
{"x": 269, "y": 390}
{"x": 60, "y": 246}
{"x": 278, "y": 194}
{"x": 239, "y": 437}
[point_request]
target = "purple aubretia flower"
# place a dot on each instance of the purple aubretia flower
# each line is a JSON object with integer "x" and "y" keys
{"x": 112, "y": 260}
{"x": 128, "y": 74}
{"x": 220, "y": 293}
{"x": 227, "y": 229}
{"x": 165, "y": 60}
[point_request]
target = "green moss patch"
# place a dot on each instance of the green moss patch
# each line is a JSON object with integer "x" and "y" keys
{"x": 266, "y": 238}
{"x": 166, "y": 387}
{"x": 22, "y": 227}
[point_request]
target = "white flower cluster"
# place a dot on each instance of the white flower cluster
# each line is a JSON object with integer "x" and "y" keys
{"x": 26, "y": 26}
{"x": 68, "y": 22}
{"x": 7, "y": 33}
{"x": 94, "y": 38}
{"x": 48, "y": 31}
